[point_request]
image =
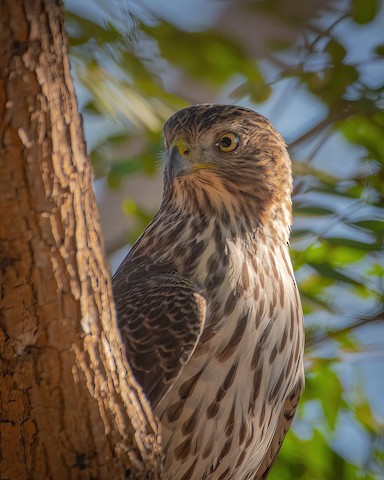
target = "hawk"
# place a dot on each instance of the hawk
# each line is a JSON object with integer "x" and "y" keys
{"x": 207, "y": 303}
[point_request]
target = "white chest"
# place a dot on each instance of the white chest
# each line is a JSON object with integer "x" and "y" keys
{"x": 219, "y": 418}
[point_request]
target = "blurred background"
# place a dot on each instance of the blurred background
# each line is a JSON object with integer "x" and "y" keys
{"x": 315, "y": 68}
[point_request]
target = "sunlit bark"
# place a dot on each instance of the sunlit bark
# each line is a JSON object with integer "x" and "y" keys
{"x": 69, "y": 406}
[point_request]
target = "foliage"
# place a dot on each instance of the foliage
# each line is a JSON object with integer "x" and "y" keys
{"x": 136, "y": 69}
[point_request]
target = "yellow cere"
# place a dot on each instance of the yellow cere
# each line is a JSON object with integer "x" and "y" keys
{"x": 199, "y": 166}
{"x": 183, "y": 147}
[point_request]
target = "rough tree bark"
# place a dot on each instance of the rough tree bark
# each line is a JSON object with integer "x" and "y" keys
{"x": 69, "y": 406}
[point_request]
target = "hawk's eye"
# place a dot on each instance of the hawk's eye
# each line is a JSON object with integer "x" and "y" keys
{"x": 228, "y": 142}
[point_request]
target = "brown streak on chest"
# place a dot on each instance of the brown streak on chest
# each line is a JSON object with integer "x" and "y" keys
{"x": 182, "y": 451}
{"x": 186, "y": 389}
{"x": 235, "y": 339}
{"x": 245, "y": 276}
{"x": 257, "y": 377}
{"x": 231, "y": 419}
{"x": 213, "y": 409}
{"x": 188, "y": 474}
{"x": 227, "y": 382}
{"x": 189, "y": 425}
{"x": 175, "y": 411}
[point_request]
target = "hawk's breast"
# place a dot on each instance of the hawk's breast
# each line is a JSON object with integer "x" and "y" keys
{"x": 219, "y": 419}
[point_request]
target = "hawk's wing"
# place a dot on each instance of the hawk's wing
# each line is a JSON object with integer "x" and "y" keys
{"x": 161, "y": 316}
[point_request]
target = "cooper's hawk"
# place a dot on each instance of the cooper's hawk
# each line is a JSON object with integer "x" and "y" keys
{"x": 206, "y": 299}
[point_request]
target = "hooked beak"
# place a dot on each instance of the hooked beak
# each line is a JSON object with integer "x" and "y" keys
{"x": 178, "y": 162}
{"x": 182, "y": 160}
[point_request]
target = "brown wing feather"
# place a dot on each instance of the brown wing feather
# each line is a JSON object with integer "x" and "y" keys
{"x": 161, "y": 316}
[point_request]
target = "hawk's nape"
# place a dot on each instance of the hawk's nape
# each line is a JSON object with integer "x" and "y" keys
{"x": 207, "y": 302}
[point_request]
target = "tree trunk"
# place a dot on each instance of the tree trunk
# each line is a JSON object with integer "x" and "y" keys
{"x": 69, "y": 405}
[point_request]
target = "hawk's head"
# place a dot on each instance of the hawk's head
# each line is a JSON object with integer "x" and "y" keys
{"x": 227, "y": 157}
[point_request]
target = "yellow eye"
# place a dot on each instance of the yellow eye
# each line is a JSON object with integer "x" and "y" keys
{"x": 228, "y": 142}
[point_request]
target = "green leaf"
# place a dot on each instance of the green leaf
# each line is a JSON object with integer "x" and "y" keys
{"x": 365, "y": 131}
{"x": 379, "y": 50}
{"x": 364, "y": 11}
{"x": 336, "y": 50}
{"x": 114, "y": 181}
{"x": 377, "y": 270}
{"x": 256, "y": 89}
{"x": 325, "y": 387}
{"x": 362, "y": 291}
{"x": 85, "y": 30}
{"x": 218, "y": 58}
{"x": 312, "y": 303}
{"x": 354, "y": 244}
{"x": 127, "y": 167}
{"x": 376, "y": 226}
{"x": 317, "y": 253}
{"x": 313, "y": 211}
{"x": 327, "y": 271}
{"x": 364, "y": 415}
{"x": 314, "y": 285}
{"x": 345, "y": 255}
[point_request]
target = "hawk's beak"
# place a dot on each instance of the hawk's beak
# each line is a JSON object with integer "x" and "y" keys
{"x": 178, "y": 162}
